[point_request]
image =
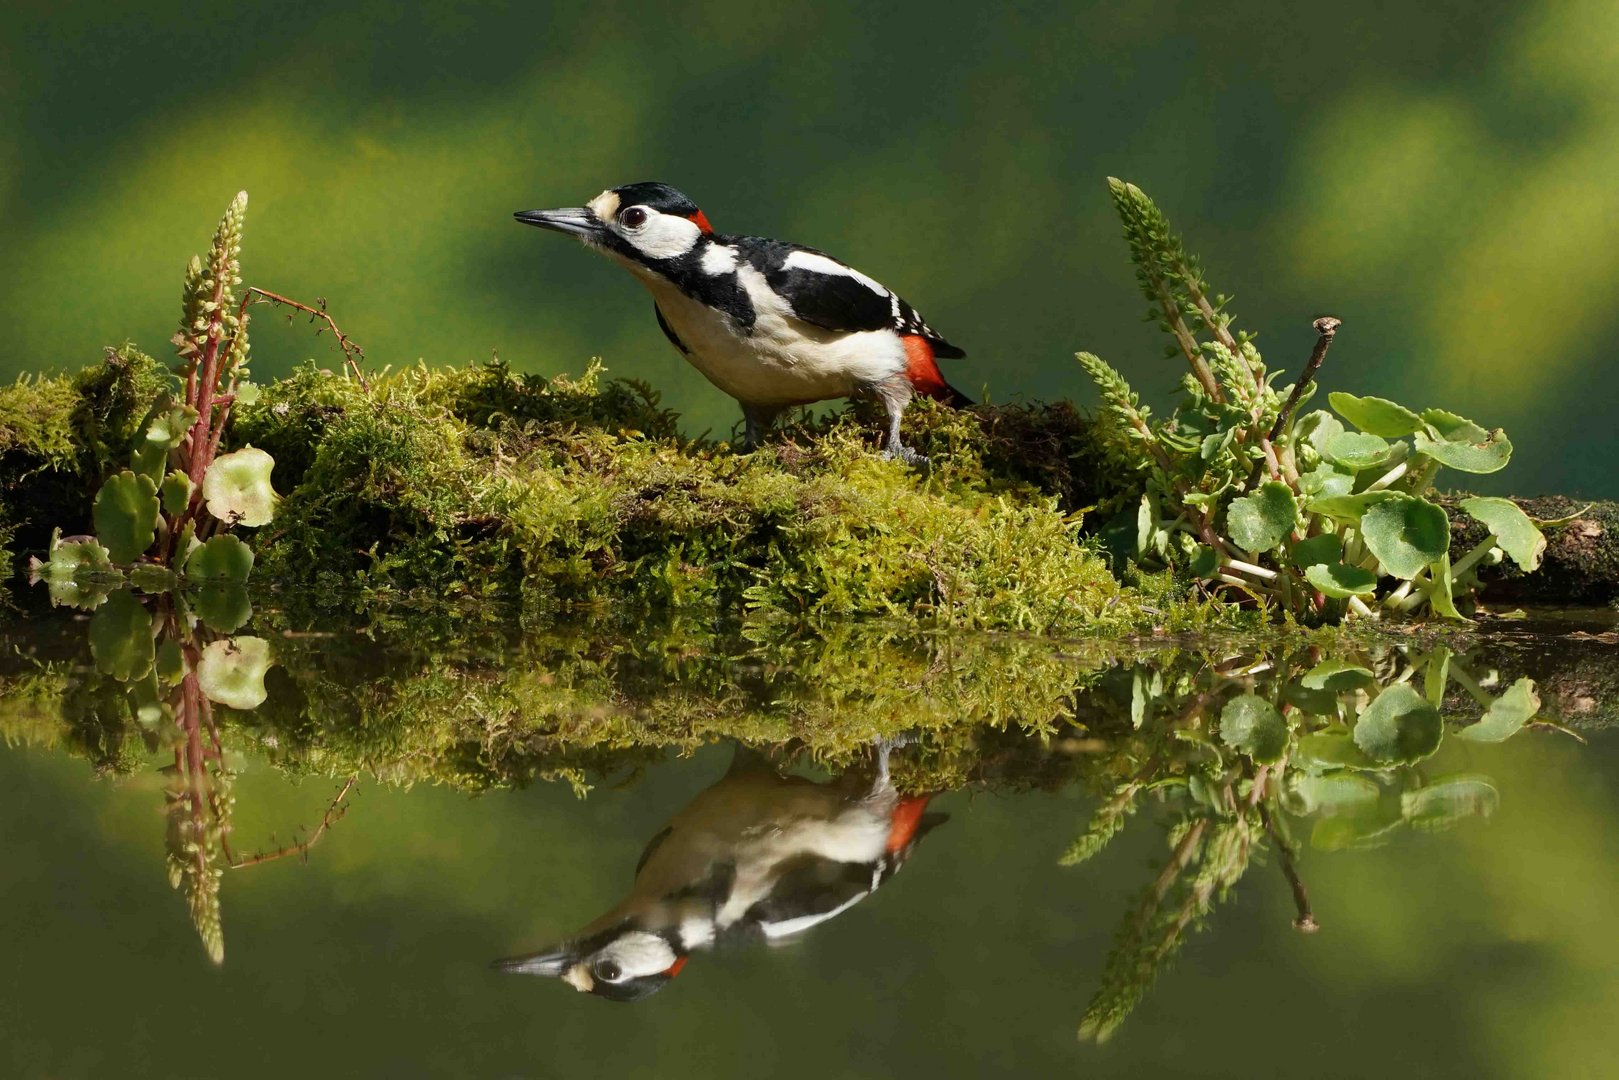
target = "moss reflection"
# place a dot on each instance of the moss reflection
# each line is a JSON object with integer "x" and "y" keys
{"x": 1286, "y": 748}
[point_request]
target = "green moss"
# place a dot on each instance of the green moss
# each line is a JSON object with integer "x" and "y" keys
{"x": 58, "y": 437}
{"x": 581, "y": 495}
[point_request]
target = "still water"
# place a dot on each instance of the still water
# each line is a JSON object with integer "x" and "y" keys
{"x": 243, "y": 844}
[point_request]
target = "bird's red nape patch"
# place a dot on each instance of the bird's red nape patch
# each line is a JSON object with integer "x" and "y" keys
{"x": 907, "y": 818}
{"x": 674, "y": 969}
{"x": 700, "y": 219}
{"x": 923, "y": 370}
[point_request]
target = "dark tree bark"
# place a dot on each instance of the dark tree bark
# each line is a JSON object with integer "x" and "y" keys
{"x": 1582, "y": 556}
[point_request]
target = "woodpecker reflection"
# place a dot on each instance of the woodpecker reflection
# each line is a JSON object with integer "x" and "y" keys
{"x": 757, "y": 855}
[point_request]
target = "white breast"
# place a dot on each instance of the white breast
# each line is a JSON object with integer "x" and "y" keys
{"x": 782, "y": 360}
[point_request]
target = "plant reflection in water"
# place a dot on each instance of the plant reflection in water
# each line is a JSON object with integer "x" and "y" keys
{"x": 1325, "y": 743}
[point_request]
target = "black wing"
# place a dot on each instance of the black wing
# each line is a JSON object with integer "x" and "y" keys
{"x": 812, "y": 886}
{"x": 663, "y": 324}
{"x": 653, "y": 844}
{"x": 845, "y": 302}
{"x": 833, "y": 301}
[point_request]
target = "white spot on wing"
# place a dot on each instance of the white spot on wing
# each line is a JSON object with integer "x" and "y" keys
{"x": 789, "y": 927}
{"x": 822, "y": 264}
{"x": 718, "y": 259}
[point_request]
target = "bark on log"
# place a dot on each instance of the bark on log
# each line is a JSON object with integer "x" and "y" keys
{"x": 1581, "y": 565}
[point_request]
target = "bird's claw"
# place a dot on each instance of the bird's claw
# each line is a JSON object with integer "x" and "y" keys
{"x": 906, "y": 455}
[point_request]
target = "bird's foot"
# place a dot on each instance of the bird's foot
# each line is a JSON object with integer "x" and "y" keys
{"x": 903, "y": 453}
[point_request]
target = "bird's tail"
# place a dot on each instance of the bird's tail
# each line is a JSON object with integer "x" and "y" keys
{"x": 949, "y": 395}
{"x": 922, "y": 369}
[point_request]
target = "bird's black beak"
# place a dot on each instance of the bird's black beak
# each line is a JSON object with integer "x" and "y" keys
{"x": 574, "y": 220}
{"x": 552, "y": 963}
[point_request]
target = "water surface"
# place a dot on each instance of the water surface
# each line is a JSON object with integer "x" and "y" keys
{"x": 497, "y": 790}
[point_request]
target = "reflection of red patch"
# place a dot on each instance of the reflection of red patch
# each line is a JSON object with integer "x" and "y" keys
{"x": 907, "y": 816}
{"x": 674, "y": 969}
{"x": 923, "y": 370}
{"x": 700, "y": 219}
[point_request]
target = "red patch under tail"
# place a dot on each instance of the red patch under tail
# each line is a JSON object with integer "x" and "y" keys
{"x": 923, "y": 371}
{"x": 906, "y": 820}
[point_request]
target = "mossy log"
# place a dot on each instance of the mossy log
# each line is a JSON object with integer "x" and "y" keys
{"x": 1581, "y": 564}
{"x": 476, "y": 481}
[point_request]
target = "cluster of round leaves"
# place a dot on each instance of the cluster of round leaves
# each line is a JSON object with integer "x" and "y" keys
{"x": 1347, "y": 732}
{"x": 133, "y": 503}
{"x": 131, "y": 647}
{"x": 1358, "y": 514}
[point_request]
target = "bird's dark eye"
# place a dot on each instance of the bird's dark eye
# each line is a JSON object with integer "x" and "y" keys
{"x": 633, "y": 218}
{"x": 606, "y": 970}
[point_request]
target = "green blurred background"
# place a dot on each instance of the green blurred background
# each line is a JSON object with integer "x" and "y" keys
{"x": 1439, "y": 175}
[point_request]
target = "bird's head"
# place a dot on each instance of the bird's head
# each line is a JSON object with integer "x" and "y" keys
{"x": 621, "y": 963}
{"x": 643, "y": 224}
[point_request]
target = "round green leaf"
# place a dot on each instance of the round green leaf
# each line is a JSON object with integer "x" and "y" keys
{"x": 223, "y": 607}
{"x": 75, "y": 557}
{"x": 1326, "y": 548}
{"x": 169, "y": 426}
{"x": 1310, "y": 702}
{"x": 1471, "y": 455}
{"x": 1205, "y": 561}
{"x": 231, "y": 671}
{"x": 1506, "y": 714}
{"x": 222, "y": 558}
{"x": 171, "y": 663}
{"x": 1252, "y": 725}
{"x": 1447, "y": 802}
{"x": 1331, "y": 750}
{"x": 121, "y": 638}
{"x": 237, "y": 487}
{"x": 1514, "y": 531}
{"x": 1399, "y": 726}
{"x": 1448, "y": 426}
{"x": 1375, "y": 415}
{"x": 1349, "y": 508}
{"x": 152, "y": 578}
{"x": 1335, "y": 792}
{"x": 1339, "y": 676}
{"x": 1325, "y": 481}
{"x": 1340, "y": 581}
{"x": 1365, "y": 826}
{"x": 1442, "y": 597}
{"x": 1357, "y": 450}
{"x": 1317, "y": 429}
{"x": 1259, "y": 522}
{"x": 176, "y": 493}
{"x": 125, "y": 514}
{"x": 1406, "y": 534}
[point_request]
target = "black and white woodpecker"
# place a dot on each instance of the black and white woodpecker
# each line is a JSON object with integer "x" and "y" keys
{"x": 757, "y": 855}
{"x": 772, "y": 324}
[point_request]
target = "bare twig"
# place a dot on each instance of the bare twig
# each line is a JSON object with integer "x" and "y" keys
{"x": 1305, "y": 923}
{"x": 334, "y": 813}
{"x": 1327, "y": 328}
{"x": 352, "y": 353}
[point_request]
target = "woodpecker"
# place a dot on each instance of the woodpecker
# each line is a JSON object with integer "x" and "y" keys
{"x": 756, "y": 856}
{"x": 772, "y": 324}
